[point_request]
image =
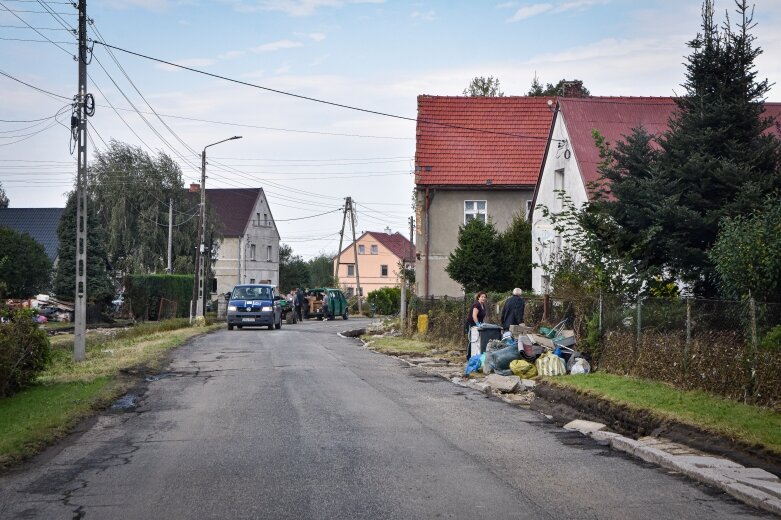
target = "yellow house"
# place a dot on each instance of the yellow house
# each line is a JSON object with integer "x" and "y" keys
{"x": 379, "y": 259}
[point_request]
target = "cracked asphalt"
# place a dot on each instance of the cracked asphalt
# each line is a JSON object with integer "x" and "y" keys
{"x": 301, "y": 423}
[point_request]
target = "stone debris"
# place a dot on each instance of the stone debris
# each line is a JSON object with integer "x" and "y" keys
{"x": 584, "y": 427}
{"x": 503, "y": 384}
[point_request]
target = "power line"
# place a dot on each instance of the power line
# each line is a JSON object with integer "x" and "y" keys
{"x": 33, "y": 86}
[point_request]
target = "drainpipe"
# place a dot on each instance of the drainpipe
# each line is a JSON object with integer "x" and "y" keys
{"x": 428, "y": 235}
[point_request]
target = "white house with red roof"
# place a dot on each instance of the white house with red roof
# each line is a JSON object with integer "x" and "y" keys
{"x": 572, "y": 158}
{"x": 249, "y": 251}
{"x": 377, "y": 264}
{"x": 475, "y": 157}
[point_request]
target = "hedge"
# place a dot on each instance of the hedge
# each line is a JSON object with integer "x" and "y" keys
{"x": 145, "y": 292}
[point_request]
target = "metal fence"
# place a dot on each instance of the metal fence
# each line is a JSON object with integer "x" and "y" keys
{"x": 730, "y": 348}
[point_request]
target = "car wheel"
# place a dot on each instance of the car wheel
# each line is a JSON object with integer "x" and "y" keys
{"x": 271, "y": 326}
{"x": 230, "y": 326}
{"x": 319, "y": 318}
{"x": 240, "y": 326}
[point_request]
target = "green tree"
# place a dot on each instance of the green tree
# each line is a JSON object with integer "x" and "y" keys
{"x": 477, "y": 263}
{"x": 321, "y": 271}
{"x": 130, "y": 192}
{"x": 484, "y": 87}
{"x": 293, "y": 270}
{"x": 517, "y": 247}
{"x": 3, "y": 197}
{"x": 25, "y": 269}
{"x": 559, "y": 89}
{"x": 100, "y": 289}
{"x": 717, "y": 160}
{"x": 747, "y": 254}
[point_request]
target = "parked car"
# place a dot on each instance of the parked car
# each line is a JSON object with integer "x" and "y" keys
{"x": 252, "y": 305}
{"x": 314, "y": 303}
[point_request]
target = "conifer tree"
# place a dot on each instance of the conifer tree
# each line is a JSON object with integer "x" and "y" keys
{"x": 477, "y": 262}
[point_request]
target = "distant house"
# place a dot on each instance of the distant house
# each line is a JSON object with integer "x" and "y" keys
{"x": 40, "y": 223}
{"x": 475, "y": 157}
{"x": 380, "y": 256}
{"x": 572, "y": 158}
{"x": 249, "y": 251}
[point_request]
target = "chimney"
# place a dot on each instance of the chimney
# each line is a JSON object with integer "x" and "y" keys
{"x": 195, "y": 187}
{"x": 572, "y": 89}
{"x": 388, "y": 231}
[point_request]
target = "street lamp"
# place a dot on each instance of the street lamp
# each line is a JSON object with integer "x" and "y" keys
{"x": 200, "y": 267}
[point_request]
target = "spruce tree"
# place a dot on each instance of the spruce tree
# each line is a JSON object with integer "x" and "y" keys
{"x": 716, "y": 159}
{"x": 477, "y": 262}
{"x": 99, "y": 286}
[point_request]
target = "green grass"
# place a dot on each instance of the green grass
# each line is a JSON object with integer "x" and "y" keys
{"x": 67, "y": 392}
{"x": 750, "y": 424}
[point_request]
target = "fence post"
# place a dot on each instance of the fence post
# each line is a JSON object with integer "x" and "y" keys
{"x": 685, "y": 364}
{"x": 639, "y": 326}
{"x": 545, "y": 303}
{"x": 600, "y": 312}
{"x": 752, "y": 309}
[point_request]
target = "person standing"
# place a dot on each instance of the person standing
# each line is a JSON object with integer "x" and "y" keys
{"x": 512, "y": 313}
{"x": 299, "y": 303}
{"x": 475, "y": 317}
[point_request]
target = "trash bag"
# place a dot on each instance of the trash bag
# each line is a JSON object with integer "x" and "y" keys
{"x": 549, "y": 365}
{"x": 494, "y": 345}
{"x": 500, "y": 359}
{"x": 474, "y": 364}
{"x": 523, "y": 369}
{"x": 580, "y": 366}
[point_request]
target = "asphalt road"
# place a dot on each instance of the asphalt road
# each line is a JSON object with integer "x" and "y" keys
{"x": 301, "y": 423}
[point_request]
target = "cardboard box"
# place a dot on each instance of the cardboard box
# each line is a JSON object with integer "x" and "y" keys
{"x": 541, "y": 340}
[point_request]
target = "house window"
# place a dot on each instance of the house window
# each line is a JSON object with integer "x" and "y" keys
{"x": 558, "y": 187}
{"x": 265, "y": 219}
{"x": 474, "y": 209}
{"x": 383, "y": 270}
{"x": 361, "y": 249}
{"x": 257, "y": 221}
{"x": 374, "y": 249}
{"x": 350, "y": 270}
{"x": 268, "y": 253}
{"x": 214, "y": 285}
{"x": 251, "y": 280}
{"x": 528, "y": 208}
{"x": 252, "y": 252}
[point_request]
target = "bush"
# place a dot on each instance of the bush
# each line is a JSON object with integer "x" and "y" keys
{"x": 144, "y": 292}
{"x": 24, "y": 352}
{"x": 386, "y": 300}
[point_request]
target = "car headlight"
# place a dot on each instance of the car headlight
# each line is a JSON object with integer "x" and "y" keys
{"x": 266, "y": 309}
{"x": 232, "y": 308}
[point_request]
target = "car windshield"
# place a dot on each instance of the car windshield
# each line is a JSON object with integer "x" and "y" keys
{"x": 251, "y": 293}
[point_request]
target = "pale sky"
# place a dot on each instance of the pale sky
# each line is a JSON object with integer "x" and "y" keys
{"x": 372, "y": 54}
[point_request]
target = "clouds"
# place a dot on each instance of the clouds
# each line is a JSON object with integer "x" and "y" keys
{"x": 276, "y": 46}
{"x": 529, "y": 11}
{"x": 425, "y": 16}
{"x": 298, "y": 7}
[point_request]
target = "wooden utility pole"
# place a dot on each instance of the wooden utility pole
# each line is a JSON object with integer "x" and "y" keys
{"x": 80, "y": 302}
{"x": 349, "y": 205}
{"x": 403, "y": 310}
{"x": 341, "y": 239}
{"x": 170, "y": 233}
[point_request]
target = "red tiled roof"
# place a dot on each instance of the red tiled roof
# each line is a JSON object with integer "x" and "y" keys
{"x": 615, "y": 118}
{"x": 396, "y": 243}
{"x": 233, "y": 207}
{"x": 446, "y": 155}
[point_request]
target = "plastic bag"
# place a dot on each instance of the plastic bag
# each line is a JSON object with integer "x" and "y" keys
{"x": 523, "y": 369}
{"x": 550, "y": 365}
{"x": 474, "y": 364}
{"x": 580, "y": 366}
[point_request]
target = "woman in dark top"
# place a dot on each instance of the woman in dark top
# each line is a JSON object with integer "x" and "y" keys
{"x": 477, "y": 312}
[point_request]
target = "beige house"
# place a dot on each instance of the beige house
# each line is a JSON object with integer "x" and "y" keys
{"x": 249, "y": 251}
{"x": 380, "y": 256}
{"x": 475, "y": 157}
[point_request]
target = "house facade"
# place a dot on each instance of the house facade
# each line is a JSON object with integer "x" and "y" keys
{"x": 572, "y": 159}
{"x": 379, "y": 257}
{"x": 249, "y": 251}
{"x": 475, "y": 157}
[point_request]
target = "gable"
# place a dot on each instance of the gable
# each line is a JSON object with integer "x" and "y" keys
{"x": 481, "y": 141}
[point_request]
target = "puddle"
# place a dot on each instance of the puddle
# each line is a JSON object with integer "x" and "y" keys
{"x": 158, "y": 377}
{"x": 126, "y": 402}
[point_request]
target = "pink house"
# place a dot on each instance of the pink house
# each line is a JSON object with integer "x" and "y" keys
{"x": 379, "y": 258}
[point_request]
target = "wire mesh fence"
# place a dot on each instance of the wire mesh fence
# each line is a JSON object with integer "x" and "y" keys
{"x": 730, "y": 348}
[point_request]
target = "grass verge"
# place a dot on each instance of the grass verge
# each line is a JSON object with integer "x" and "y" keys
{"x": 394, "y": 345}
{"x": 750, "y": 424}
{"x": 68, "y": 392}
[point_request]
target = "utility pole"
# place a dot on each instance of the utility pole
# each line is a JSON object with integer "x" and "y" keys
{"x": 170, "y": 232}
{"x": 341, "y": 239}
{"x": 349, "y": 204}
{"x": 81, "y": 113}
{"x": 403, "y": 313}
{"x": 201, "y": 256}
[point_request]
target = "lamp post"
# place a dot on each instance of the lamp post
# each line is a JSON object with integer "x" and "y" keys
{"x": 200, "y": 268}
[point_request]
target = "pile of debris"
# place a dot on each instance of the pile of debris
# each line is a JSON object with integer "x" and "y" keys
{"x": 46, "y": 307}
{"x": 520, "y": 352}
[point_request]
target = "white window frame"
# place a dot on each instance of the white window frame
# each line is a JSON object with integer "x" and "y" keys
{"x": 252, "y": 252}
{"x": 472, "y": 208}
{"x": 558, "y": 186}
{"x": 361, "y": 249}
{"x": 350, "y": 269}
{"x": 268, "y": 253}
{"x": 374, "y": 249}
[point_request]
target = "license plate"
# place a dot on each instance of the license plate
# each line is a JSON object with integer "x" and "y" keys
{"x": 248, "y": 319}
